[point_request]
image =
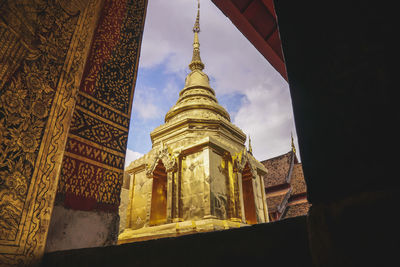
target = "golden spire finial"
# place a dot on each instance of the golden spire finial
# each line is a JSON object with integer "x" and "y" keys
{"x": 293, "y": 146}
{"x": 250, "y": 148}
{"x": 196, "y": 27}
{"x": 196, "y": 63}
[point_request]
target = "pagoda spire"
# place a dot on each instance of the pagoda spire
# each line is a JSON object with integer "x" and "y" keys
{"x": 196, "y": 63}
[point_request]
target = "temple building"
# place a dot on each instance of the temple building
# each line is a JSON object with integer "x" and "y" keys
{"x": 285, "y": 187}
{"x": 198, "y": 176}
{"x": 65, "y": 118}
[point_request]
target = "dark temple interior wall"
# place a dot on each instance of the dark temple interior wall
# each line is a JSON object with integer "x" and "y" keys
{"x": 339, "y": 59}
{"x": 339, "y": 65}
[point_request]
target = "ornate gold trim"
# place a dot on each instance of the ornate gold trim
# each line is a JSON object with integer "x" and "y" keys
{"x": 101, "y": 118}
{"x": 103, "y": 104}
{"x": 92, "y": 162}
{"x": 95, "y": 145}
{"x": 32, "y": 232}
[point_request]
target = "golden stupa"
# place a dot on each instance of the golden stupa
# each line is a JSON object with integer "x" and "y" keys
{"x": 198, "y": 177}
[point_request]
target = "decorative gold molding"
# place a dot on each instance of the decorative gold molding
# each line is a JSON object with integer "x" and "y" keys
{"x": 167, "y": 158}
{"x": 104, "y": 104}
{"x": 92, "y": 162}
{"x": 101, "y": 118}
{"x": 28, "y": 246}
{"x": 93, "y": 144}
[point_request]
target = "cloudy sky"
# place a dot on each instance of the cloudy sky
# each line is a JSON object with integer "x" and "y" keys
{"x": 255, "y": 95}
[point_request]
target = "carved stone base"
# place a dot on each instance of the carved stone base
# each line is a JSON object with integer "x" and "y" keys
{"x": 237, "y": 220}
{"x": 176, "y": 229}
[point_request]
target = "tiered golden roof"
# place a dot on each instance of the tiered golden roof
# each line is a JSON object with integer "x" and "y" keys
{"x": 197, "y": 93}
{"x": 197, "y": 104}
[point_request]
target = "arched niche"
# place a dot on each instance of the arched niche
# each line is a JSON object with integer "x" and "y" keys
{"x": 164, "y": 156}
{"x": 248, "y": 195}
{"x": 158, "y": 211}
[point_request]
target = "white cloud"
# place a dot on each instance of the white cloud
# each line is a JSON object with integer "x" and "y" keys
{"x": 267, "y": 118}
{"x": 145, "y": 103}
{"x": 131, "y": 156}
{"x": 233, "y": 62}
{"x": 229, "y": 57}
{"x": 171, "y": 90}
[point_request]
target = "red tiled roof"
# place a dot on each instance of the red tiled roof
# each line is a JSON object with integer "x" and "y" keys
{"x": 296, "y": 210}
{"x": 297, "y": 181}
{"x": 274, "y": 202}
{"x": 285, "y": 181}
{"x": 278, "y": 169}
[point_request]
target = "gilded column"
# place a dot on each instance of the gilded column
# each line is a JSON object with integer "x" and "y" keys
{"x": 207, "y": 184}
{"x": 177, "y": 194}
{"x": 174, "y": 193}
{"x": 264, "y": 199}
{"x": 131, "y": 194}
{"x": 256, "y": 198}
{"x": 238, "y": 205}
{"x": 231, "y": 188}
{"x": 170, "y": 181}
{"x": 148, "y": 203}
{"x": 241, "y": 201}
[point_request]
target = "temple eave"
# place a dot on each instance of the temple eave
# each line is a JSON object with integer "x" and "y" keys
{"x": 196, "y": 87}
{"x": 198, "y": 107}
{"x": 182, "y": 126}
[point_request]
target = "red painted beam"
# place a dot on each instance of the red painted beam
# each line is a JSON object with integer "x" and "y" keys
{"x": 270, "y": 5}
{"x": 245, "y": 27}
{"x": 277, "y": 188}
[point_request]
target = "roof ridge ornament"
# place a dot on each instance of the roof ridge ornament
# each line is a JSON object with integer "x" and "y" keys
{"x": 250, "y": 148}
{"x": 293, "y": 146}
{"x": 196, "y": 63}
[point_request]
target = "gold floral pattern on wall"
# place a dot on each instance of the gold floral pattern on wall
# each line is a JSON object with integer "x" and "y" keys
{"x": 42, "y": 52}
{"x": 25, "y": 102}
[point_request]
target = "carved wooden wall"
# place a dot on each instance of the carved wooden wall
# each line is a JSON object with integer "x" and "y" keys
{"x": 43, "y": 49}
{"x": 93, "y": 164}
{"x": 42, "y": 52}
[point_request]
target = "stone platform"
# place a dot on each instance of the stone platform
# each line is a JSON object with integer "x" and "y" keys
{"x": 176, "y": 229}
